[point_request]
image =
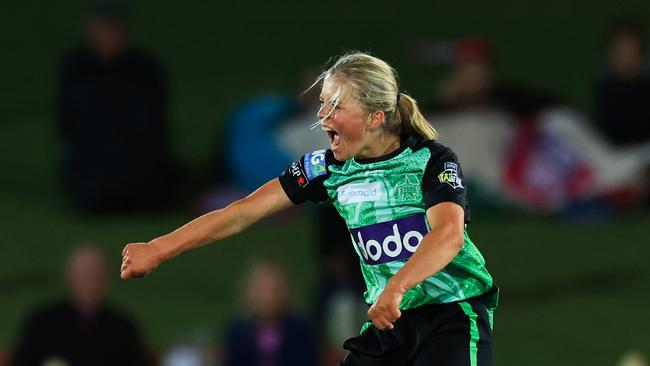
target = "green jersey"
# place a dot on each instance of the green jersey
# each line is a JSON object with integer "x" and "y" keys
{"x": 383, "y": 202}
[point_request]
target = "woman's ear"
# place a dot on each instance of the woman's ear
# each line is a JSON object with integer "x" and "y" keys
{"x": 376, "y": 119}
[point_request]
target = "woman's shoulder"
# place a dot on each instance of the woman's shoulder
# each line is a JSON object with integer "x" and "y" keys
{"x": 437, "y": 148}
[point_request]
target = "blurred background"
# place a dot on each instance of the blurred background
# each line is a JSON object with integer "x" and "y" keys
{"x": 122, "y": 120}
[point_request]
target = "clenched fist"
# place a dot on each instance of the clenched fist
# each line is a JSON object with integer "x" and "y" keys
{"x": 385, "y": 311}
{"x": 138, "y": 259}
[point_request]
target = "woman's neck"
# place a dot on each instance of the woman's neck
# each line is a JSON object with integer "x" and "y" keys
{"x": 381, "y": 146}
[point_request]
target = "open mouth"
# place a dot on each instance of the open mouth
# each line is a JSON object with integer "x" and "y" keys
{"x": 335, "y": 139}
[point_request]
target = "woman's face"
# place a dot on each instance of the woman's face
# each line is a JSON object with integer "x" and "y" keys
{"x": 345, "y": 124}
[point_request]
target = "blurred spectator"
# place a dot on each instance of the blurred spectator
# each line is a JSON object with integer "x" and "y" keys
{"x": 622, "y": 93}
{"x": 471, "y": 85}
{"x": 270, "y": 333}
{"x": 268, "y": 132}
{"x": 472, "y": 107}
{"x": 112, "y": 107}
{"x": 471, "y": 81}
{"x": 271, "y": 131}
{"x": 83, "y": 329}
{"x": 528, "y": 149}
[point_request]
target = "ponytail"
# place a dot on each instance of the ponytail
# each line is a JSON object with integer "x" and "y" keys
{"x": 411, "y": 120}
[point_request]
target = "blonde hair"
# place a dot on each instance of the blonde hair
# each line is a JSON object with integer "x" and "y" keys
{"x": 373, "y": 83}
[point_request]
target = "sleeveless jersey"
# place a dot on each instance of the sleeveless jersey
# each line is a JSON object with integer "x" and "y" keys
{"x": 383, "y": 202}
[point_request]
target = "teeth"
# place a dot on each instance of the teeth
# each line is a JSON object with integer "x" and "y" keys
{"x": 326, "y": 129}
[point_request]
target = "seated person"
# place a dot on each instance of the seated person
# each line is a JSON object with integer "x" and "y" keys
{"x": 621, "y": 94}
{"x": 269, "y": 333}
{"x": 112, "y": 125}
{"x": 82, "y": 329}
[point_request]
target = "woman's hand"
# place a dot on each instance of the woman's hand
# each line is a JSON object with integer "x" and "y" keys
{"x": 138, "y": 259}
{"x": 385, "y": 311}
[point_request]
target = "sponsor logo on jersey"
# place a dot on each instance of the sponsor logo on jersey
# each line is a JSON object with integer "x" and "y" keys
{"x": 360, "y": 192}
{"x": 391, "y": 240}
{"x": 314, "y": 164}
{"x": 450, "y": 175}
{"x": 298, "y": 174}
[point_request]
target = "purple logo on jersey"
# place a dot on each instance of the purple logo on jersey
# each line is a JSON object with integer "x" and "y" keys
{"x": 391, "y": 240}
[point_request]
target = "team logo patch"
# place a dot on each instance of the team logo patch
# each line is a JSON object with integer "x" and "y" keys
{"x": 450, "y": 175}
{"x": 314, "y": 164}
{"x": 360, "y": 192}
{"x": 391, "y": 240}
{"x": 407, "y": 188}
{"x": 298, "y": 174}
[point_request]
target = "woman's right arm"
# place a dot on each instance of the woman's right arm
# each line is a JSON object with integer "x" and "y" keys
{"x": 138, "y": 259}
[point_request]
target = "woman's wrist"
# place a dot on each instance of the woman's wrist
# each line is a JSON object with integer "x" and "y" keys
{"x": 397, "y": 286}
{"x": 163, "y": 248}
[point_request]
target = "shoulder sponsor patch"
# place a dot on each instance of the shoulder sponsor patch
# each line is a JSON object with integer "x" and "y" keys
{"x": 450, "y": 175}
{"x": 298, "y": 174}
{"x": 314, "y": 164}
{"x": 360, "y": 192}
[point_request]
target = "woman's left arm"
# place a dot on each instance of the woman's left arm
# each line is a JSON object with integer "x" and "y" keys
{"x": 437, "y": 249}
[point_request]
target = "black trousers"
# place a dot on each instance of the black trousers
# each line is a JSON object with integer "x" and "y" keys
{"x": 453, "y": 334}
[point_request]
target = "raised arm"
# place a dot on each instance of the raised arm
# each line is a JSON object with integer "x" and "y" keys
{"x": 138, "y": 259}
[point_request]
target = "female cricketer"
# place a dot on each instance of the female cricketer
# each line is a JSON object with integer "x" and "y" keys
{"x": 402, "y": 196}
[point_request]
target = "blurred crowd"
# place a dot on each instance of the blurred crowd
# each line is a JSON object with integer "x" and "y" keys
{"x": 521, "y": 149}
{"x": 531, "y": 151}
